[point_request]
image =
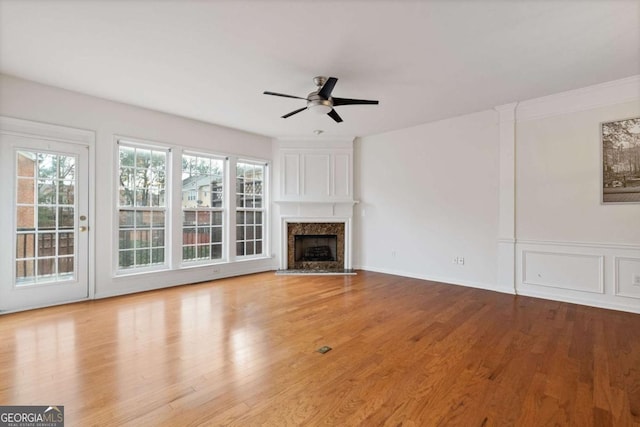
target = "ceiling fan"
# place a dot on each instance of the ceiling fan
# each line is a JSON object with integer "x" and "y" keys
{"x": 321, "y": 100}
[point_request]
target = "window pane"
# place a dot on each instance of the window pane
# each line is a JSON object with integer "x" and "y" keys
{"x": 65, "y": 265}
{"x": 25, "y": 218}
{"x": 65, "y": 243}
{"x": 26, "y": 163}
{"x": 127, "y": 156}
{"x": 25, "y": 270}
{"x": 157, "y": 238}
{"x": 66, "y": 167}
{"x": 25, "y": 190}
{"x": 126, "y": 219}
{"x": 204, "y": 251}
{"x": 25, "y": 245}
{"x": 143, "y": 219}
{"x": 46, "y": 267}
{"x": 188, "y": 236}
{"x": 46, "y": 192}
{"x": 142, "y": 239}
{"x": 126, "y": 240}
{"x": 188, "y": 217}
{"x": 204, "y": 235}
{"x": 158, "y": 160}
{"x": 216, "y": 235}
{"x": 216, "y": 251}
{"x": 217, "y": 218}
{"x": 66, "y": 192}
{"x": 142, "y": 257}
{"x": 143, "y": 158}
{"x": 47, "y": 166}
{"x": 188, "y": 253}
{"x": 204, "y": 218}
{"x": 46, "y": 218}
{"x": 66, "y": 217}
{"x": 125, "y": 259}
{"x": 157, "y": 256}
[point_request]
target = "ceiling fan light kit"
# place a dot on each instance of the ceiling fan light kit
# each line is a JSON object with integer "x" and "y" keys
{"x": 321, "y": 101}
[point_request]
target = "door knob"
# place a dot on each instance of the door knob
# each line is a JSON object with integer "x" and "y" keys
{"x": 83, "y": 228}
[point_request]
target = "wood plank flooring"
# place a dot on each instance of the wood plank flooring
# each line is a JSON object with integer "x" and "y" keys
{"x": 242, "y": 352}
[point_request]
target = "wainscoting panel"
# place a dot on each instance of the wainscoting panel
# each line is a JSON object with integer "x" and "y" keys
{"x": 595, "y": 274}
{"x": 563, "y": 270}
{"x": 291, "y": 175}
{"x": 317, "y": 175}
{"x": 627, "y": 277}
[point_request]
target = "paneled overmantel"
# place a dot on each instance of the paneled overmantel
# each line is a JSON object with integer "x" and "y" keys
{"x": 314, "y": 170}
{"x": 313, "y": 182}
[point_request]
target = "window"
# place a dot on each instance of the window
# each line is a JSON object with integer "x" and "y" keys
{"x": 202, "y": 209}
{"x": 172, "y": 217}
{"x": 141, "y": 206}
{"x": 249, "y": 208}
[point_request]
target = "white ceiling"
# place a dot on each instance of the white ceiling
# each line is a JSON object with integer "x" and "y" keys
{"x": 424, "y": 60}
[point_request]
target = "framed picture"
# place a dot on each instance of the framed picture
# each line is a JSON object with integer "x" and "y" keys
{"x": 621, "y": 161}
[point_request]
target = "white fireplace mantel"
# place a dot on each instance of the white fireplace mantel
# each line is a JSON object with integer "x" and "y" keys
{"x": 313, "y": 183}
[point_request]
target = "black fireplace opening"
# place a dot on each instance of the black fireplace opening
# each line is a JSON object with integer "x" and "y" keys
{"x": 316, "y": 247}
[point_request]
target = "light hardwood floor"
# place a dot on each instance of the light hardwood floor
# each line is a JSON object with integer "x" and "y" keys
{"x": 242, "y": 352}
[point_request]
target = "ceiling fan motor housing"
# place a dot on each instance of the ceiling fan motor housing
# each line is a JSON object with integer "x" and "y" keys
{"x": 316, "y": 102}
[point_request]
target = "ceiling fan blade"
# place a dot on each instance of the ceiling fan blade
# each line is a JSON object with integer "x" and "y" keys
{"x": 347, "y": 101}
{"x": 294, "y": 112}
{"x": 335, "y": 116}
{"x": 266, "y": 92}
{"x": 327, "y": 88}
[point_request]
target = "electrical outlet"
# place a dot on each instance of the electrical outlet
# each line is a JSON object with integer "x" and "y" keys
{"x": 636, "y": 279}
{"x": 455, "y": 260}
{"x": 393, "y": 254}
{"x": 461, "y": 260}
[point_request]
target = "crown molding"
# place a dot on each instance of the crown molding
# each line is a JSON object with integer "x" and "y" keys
{"x": 586, "y": 98}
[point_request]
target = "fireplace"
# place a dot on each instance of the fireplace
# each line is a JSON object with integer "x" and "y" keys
{"x": 315, "y": 246}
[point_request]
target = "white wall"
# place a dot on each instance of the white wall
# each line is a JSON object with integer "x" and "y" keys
{"x": 558, "y": 175}
{"x": 429, "y": 194}
{"x": 569, "y": 246}
{"x": 31, "y": 101}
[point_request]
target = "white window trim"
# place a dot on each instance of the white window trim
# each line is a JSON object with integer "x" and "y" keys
{"x": 266, "y": 209}
{"x": 173, "y": 208}
{"x": 225, "y": 207}
{"x": 151, "y": 145}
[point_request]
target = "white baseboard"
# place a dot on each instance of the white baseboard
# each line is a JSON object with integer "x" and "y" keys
{"x": 439, "y": 279}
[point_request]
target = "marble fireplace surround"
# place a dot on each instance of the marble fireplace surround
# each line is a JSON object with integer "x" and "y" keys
{"x": 339, "y": 226}
{"x": 315, "y": 228}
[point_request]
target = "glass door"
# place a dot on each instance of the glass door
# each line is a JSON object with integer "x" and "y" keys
{"x": 48, "y": 191}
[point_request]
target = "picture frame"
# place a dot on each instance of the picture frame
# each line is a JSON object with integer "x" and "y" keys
{"x": 620, "y": 145}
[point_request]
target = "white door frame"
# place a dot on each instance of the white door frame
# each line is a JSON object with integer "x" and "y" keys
{"x": 54, "y": 133}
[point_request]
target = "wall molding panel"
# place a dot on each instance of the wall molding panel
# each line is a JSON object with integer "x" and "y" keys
{"x": 598, "y": 275}
{"x": 627, "y": 276}
{"x": 577, "y": 272}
